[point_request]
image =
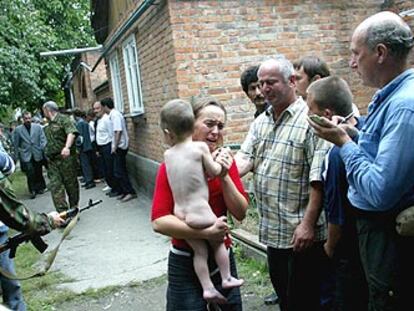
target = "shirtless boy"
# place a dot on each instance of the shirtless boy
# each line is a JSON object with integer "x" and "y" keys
{"x": 186, "y": 162}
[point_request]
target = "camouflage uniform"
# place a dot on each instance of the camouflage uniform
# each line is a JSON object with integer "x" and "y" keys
{"x": 62, "y": 172}
{"x": 15, "y": 215}
{"x": 7, "y": 144}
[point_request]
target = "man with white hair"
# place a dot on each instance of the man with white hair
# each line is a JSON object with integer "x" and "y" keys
{"x": 380, "y": 167}
{"x": 286, "y": 160}
{"x": 60, "y": 152}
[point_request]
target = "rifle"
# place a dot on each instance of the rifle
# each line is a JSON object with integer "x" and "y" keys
{"x": 13, "y": 242}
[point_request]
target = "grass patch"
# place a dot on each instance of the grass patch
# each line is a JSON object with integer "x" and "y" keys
{"x": 39, "y": 293}
{"x": 251, "y": 222}
{"x": 19, "y": 184}
{"x": 43, "y": 293}
{"x": 255, "y": 272}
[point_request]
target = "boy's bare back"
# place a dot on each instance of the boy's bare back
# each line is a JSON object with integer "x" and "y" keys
{"x": 185, "y": 163}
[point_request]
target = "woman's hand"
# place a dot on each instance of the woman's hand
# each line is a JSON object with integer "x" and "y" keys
{"x": 218, "y": 230}
{"x": 224, "y": 157}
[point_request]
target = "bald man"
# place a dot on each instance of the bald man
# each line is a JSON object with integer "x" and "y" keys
{"x": 380, "y": 167}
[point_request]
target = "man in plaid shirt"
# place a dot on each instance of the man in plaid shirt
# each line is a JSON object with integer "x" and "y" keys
{"x": 286, "y": 160}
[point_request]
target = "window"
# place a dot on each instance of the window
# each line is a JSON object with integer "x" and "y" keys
{"x": 116, "y": 82}
{"x": 132, "y": 76}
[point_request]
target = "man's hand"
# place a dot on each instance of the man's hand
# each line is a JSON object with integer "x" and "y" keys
{"x": 113, "y": 149}
{"x": 57, "y": 220}
{"x": 218, "y": 230}
{"x": 65, "y": 152}
{"x": 331, "y": 132}
{"x": 303, "y": 237}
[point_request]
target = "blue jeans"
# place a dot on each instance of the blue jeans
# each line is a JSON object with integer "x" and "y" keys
{"x": 12, "y": 294}
{"x": 184, "y": 291}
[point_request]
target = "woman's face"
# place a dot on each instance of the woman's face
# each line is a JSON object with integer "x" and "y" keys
{"x": 209, "y": 126}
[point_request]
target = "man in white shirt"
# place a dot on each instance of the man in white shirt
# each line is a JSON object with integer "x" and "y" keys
{"x": 119, "y": 150}
{"x": 104, "y": 135}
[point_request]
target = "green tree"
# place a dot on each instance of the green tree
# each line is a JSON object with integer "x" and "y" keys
{"x": 29, "y": 27}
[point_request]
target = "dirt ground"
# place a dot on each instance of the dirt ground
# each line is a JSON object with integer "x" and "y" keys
{"x": 149, "y": 296}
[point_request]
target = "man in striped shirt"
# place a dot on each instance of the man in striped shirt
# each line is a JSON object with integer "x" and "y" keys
{"x": 286, "y": 159}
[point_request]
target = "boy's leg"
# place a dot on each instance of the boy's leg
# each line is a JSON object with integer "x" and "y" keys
{"x": 222, "y": 259}
{"x": 201, "y": 269}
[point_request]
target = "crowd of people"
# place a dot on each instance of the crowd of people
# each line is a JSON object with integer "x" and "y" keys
{"x": 69, "y": 144}
{"x": 328, "y": 183}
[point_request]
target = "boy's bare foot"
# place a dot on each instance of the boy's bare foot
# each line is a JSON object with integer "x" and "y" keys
{"x": 213, "y": 295}
{"x": 232, "y": 282}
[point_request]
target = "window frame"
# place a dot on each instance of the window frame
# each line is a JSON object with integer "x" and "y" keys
{"x": 116, "y": 82}
{"x": 133, "y": 76}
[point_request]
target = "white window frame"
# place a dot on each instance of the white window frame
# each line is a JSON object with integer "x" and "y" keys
{"x": 116, "y": 82}
{"x": 133, "y": 76}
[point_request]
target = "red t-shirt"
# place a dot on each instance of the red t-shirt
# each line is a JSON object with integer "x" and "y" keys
{"x": 163, "y": 202}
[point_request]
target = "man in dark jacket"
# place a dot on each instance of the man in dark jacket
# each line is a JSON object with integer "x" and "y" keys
{"x": 84, "y": 145}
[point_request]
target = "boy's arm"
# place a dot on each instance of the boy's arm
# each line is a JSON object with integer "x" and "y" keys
{"x": 212, "y": 168}
{"x": 334, "y": 235}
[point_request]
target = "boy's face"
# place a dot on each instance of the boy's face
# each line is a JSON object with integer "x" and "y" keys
{"x": 315, "y": 109}
{"x": 302, "y": 82}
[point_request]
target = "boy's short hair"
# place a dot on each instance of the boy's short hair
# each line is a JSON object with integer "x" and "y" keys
{"x": 332, "y": 93}
{"x": 177, "y": 116}
{"x": 312, "y": 66}
{"x": 249, "y": 76}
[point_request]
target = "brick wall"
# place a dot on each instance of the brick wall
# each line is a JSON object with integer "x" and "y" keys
{"x": 192, "y": 48}
{"x": 216, "y": 40}
{"x": 155, "y": 51}
{"x": 90, "y": 80}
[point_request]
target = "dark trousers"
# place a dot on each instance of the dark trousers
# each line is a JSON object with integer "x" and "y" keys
{"x": 387, "y": 259}
{"x": 184, "y": 291}
{"x": 97, "y": 163}
{"x": 108, "y": 160}
{"x": 34, "y": 175}
{"x": 296, "y": 277}
{"x": 351, "y": 292}
{"x": 120, "y": 171}
{"x": 85, "y": 158}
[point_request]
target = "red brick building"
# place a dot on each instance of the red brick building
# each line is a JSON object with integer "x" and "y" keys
{"x": 155, "y": 51}
{"x": 87, "y": 86}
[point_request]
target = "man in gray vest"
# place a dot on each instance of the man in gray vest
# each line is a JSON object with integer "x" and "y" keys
{"x": 30, "y": 141}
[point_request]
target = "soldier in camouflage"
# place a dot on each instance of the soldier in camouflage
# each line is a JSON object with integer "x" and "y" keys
{"x": 60, "y": 152}
{"x": 6, "y": 142}
{"x": 14, "y": 214}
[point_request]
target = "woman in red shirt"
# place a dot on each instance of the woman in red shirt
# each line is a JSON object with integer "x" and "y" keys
{"x": 225, "y": 194}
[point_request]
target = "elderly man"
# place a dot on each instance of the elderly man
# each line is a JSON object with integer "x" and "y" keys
{"x": 30, "y": 141}
{"x": 61, "y": 154}
{"x": 380, "y": 167}
{"x": 286, "y": 159}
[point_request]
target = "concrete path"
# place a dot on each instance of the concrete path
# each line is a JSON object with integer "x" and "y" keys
{"x": 112, "y": 244}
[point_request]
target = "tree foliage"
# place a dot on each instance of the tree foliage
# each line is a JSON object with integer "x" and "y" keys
{"x": 28, "y": 27}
